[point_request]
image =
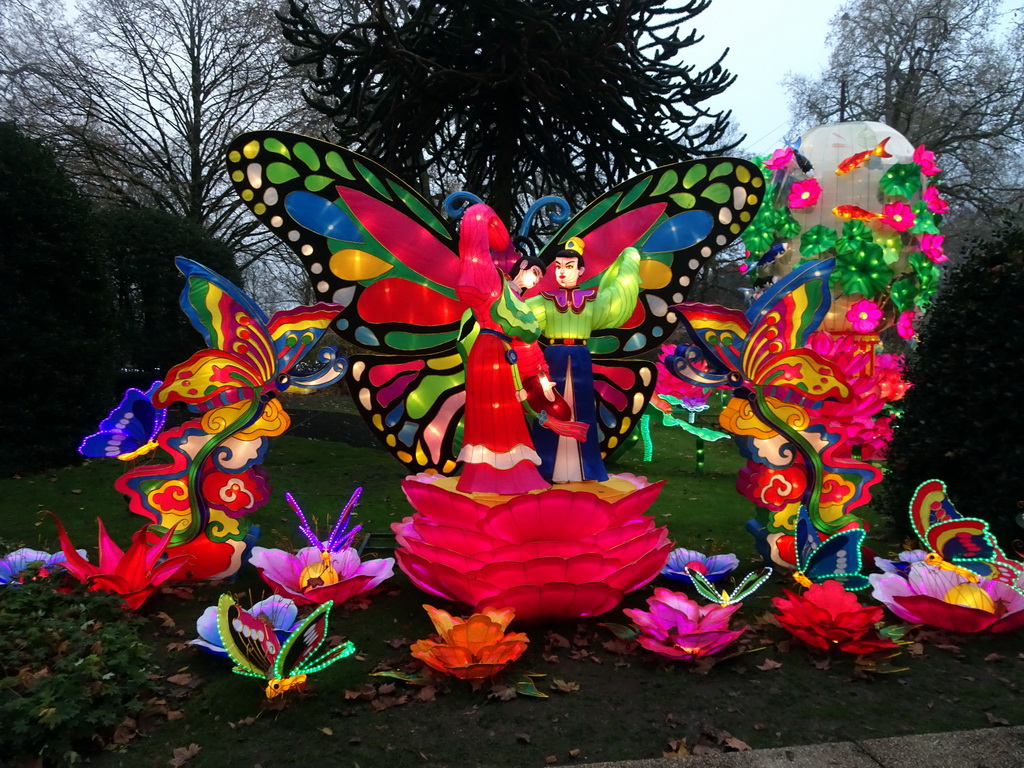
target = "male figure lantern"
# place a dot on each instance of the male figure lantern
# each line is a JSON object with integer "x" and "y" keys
{"x": 567, "y": 317}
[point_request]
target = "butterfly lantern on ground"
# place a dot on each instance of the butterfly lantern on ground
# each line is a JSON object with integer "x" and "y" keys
{"x": 777, "y": 384}
{"x": 450, "y": 349}
{"x": 214, "y": 479}
{"x": 963, "y": 545}
{"x": 252, "y": 643}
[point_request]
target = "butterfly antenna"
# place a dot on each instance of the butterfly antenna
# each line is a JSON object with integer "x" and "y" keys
{"x": 304, "y": 528}
{"x": 341, "y": 537}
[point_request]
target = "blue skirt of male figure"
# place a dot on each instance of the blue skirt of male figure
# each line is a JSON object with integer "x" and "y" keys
{"x": 545, "y": 441}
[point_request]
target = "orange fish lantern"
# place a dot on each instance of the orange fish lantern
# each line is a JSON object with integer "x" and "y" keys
{"x": 855, "y": 161}
{"x": 854, "y": 212}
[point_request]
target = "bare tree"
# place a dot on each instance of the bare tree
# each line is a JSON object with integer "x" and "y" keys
{"x": 142, "y": 96}
{"x": 948, "y": 74}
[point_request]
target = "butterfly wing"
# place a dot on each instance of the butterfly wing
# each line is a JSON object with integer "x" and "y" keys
{"x": 752, "y": 582}
{"x": 780, "y": 321}
{"x": 130, "y": 426}
{"x": 929, "y": 506}
{"x": 250, "y": 642}
{"x": 677, "y": 216}
{"x": 240, "y": 358}
{"x": 622, "y": 388}
{"x": 954, "y": 537}
{"x": 413, "y": 405}
{"x": 839, "y": 558}
{"x": 706, "y": 589}
{"x": 299, "y": 654}
{"x": 368, "y": 240}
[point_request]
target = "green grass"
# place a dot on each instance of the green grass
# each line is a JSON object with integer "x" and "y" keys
{"x": 626, "y": 706}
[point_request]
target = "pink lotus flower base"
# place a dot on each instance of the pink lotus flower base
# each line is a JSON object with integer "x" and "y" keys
{"x": 568, "y": 551}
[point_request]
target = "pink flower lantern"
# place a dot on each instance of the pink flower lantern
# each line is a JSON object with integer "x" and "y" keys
{"x": 554, "y": 554}
{"x": 314, "y": 576}
{"x": 679, "y": 628}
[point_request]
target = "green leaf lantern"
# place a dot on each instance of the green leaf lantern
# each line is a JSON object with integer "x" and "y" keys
{"x": 817, "y": 239}
{"x": 785, "y": 225}
{"x": 927, "y": 276}
{"x": 862, "y": 270}
{"x": 904, "y": 293}
{"x": 924, "y": 221}
{"x": 902, "y": 179}
{"x": 855, "y": 234}
{"x": 760, "y": 235}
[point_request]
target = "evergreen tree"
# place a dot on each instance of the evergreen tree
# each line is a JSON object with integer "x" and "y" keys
{"x": 57, "y": 311}
{"x": 960, "y": 423}
{"x": 140, "y": 246}
{"x": 514, "y": 99}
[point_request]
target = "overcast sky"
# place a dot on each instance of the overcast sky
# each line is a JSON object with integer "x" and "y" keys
{"x": 767, "y": 39}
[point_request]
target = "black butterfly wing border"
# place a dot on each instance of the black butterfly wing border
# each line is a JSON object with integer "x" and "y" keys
{"x": 385, "y": 311}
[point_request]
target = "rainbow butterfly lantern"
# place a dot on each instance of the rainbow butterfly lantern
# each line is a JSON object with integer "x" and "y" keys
{"x": 214, "y": 479}
{"x": 777, "y": 385}
{"x": 131, "y": 429}
{"x": 254, "y": 646}
{"x": 958, "y": 543}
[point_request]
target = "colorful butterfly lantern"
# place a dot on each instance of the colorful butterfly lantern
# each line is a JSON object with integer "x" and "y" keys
{"x": 778, "y": 383}
{"x": 253, "y": 644}
{"x": 214, "y": 479}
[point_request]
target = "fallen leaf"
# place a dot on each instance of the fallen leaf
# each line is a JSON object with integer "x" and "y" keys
{"x": 995, "y": 719}
{"x": 523, "y": 738}
{"x": 125, "y": 731}
{"x": 426, "y": 693}
{"x": 183, "y": 754}
{"x": 555, "y": 640}
{"x": 769, "y": 664}
{"x": 550, "y": 759}
{"x": 166, "y": 622}
{"x": 399, "y": 642}
{"x": 733, "y": 743}
{"x": 760, "y": 726}
{"x": 994, "y": 657}
{"x": 502, "y": 692}
{"x": 386, "y": 689}
{"x": 386, "y": 702}
{"x": 823, "y": 664}
{"x": 574, "y": 753}
{"x": 177, "y": 646}
{"x": 915, "y": 649}
{"x": 676, "y": 748}
{"x": 355, "y": 741}
{"x": 186, "y": 679}
{"x": 563, "y": 686}
{"x": 243, "y": 721}
{"x": 326, "y": 731}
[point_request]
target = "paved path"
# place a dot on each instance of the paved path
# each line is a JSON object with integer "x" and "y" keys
{"x": 984, "y": 748}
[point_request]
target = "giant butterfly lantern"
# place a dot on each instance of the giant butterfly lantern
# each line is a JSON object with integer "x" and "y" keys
{"x": 445, "y": 340}
{"x": 859, "y": 192}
